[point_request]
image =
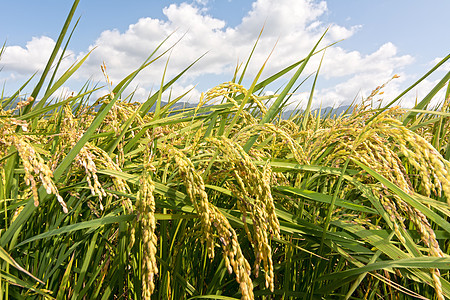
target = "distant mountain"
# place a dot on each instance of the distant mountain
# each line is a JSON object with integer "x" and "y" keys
{"x": 13, "y": 103}
{"x": 328, "y": 111}
{"x": 176, "y": 106}
{"x": 333, "y": 112}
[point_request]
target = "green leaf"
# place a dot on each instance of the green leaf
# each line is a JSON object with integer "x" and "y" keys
{"x": 7, "y": 258}
{"x": 276, "y": 105}
{"x": 67, "y": 74}
{"x": 84, "y": 268}
{"x": 412, "y": 86}
{"x": 410, "y": 199}
{"x": 65, "y": 280}
{"x": 18, "y": 282}
{"x": 442, "y": 263}
{"x": 311, "y": 94}
{"x": 422, "y": 104}
{"x": 61, "y": 36}
{"x": 323, "y": 198}
{"x": 92, "y": 224}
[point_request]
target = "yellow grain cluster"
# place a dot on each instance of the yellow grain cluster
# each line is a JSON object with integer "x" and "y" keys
{"x": 90, "y": 158}
{"x": 384, "y": 145}
{"x": 210, "y": 218}
{"x": 145, "y": 205}
{"x": 253, "y": 191}
{"x": 116, "y": 119}
{"x": 229, "y": 89}
{"x": 36, "y": 169}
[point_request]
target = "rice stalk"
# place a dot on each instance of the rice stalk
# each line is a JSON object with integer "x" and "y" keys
{"x": 210, "y": 215}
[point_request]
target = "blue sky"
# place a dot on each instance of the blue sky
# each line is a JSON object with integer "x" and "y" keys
{"x": 382, "y": 38}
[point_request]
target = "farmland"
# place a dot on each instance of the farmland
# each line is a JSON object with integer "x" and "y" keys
{"x": 114, "y": 198}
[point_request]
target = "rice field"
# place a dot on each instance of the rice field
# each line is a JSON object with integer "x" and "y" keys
{"x": 114, "y": 198}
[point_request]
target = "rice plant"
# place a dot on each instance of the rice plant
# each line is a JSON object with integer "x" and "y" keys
{"x": 107, "y": 198}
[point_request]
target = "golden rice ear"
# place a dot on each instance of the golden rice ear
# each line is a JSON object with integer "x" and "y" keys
{"x": 210, "y": 218}
{"x": 35, "y": 166}
{"x": 145, "y": 205}
{"x": 384, "y": 144}
{"x": 254, "y": 195}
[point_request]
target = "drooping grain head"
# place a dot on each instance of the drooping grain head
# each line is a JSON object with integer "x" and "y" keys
{"x": 211, "y": 218}
{"x": 145, "y": 206}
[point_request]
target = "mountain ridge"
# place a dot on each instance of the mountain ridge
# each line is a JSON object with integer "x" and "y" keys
{"x": 286, "y": 114}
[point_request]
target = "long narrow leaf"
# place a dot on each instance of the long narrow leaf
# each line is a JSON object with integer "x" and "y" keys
{"x": 275, "y": 106}
{"x": 7, "y": 258}
{"x": 58, "y": 44}
{"x": 79, "y": 226}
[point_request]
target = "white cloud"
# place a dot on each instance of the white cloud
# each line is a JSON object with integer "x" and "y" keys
{"x": 123, "y": 52}
{"x": 281, "y": 16}
{"x": 32, "y": 58}
{"x": 339, "y": 62}
{"x": 295, "y": 24}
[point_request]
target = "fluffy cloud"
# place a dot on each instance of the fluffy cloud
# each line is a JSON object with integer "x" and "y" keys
{"x": 293, "y": 25}
{"x": 339, "y": 62}
{"x": 32, "y": 58}
{"x": 200, "y": 32}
